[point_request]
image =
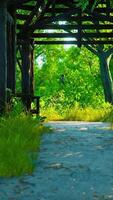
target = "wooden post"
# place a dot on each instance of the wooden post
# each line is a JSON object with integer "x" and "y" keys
{"x": 11, "y": 53}
{"x": 79, "y": 28}
{"x": 26, "y": 64}
{"x": 32, "y": 70}
{"x": 38, "y": 106}
{"x": 3, "y": 54}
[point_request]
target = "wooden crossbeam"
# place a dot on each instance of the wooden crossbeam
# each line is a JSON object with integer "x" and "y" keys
{"x": 73, "y": 35}
{"x": 64, "y": 10}
{"x": 98, "y": 12}
{"x": 17, "y": 2}
{"x": 83, "y": 18}
{"x": 66, "y": 18}
{"x": 60, "y": 10}
{"x": 72, "y": 27}
{"x": 61, "y": 17}
{"x": 72, "y": 42}
{"x": 70, "y": 19}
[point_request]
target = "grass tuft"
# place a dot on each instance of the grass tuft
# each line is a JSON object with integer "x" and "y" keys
{"x": 77, "y": 113}
{"x": 19, "y": 142}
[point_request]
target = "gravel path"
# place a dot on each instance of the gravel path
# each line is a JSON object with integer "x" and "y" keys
{"x": 75, "y": 163}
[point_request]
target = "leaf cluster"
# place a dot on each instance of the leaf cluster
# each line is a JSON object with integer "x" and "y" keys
{"x": 84, "y": 3}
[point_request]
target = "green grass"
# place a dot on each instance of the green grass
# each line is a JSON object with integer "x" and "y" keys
{"x": 77, "y": 113}
{"x": 89, "y": 114}
{"x": 51, "y": 114}
{"x": 20, "y": 136}
{"x": 19, "y": 145}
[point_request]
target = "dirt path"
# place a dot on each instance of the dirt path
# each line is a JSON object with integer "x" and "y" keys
{"x": 75, "y": 163}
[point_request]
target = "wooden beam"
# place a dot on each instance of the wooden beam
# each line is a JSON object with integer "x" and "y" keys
{"x": 3, "y": 55}
{"x": 69, "y": 18}
{"x": 86, "y": 18}
{"x": 74, "y": 35}
{"x": 65, "y": 10}
{"x": 25, "y": 54}
{"x": 32, "y": 70}
{"x": 79, "y": 31}
{"x": 54, "y": 35}
{"x": 11, "y": 54}
{"x": 71, "y": 27}
{"x": 72, "y": 42}
{"x": 54, "y": 42}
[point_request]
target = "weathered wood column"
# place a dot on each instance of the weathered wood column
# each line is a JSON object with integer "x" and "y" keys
{"x": 27, "y": 73}
{"x": 11, "y": 51}
{"x": 3, "y": 54}
{"x": 32, "y": 69}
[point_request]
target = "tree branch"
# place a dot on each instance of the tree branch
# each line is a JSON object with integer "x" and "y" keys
{"x": 92, "y": 49}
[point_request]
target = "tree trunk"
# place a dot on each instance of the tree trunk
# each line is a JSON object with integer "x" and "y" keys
{"x": 106, "y": 77}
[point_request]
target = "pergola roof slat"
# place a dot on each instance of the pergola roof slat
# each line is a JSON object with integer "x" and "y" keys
{"x": 72, "y": 35}
{"x": 60, "y": 42}
{"x": 37, "y": 17}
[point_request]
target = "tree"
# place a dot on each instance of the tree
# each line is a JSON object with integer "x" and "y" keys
{"x": 106, "y": 77}
{"x": 69, "y": 77}
{"x": 103, "y": 52}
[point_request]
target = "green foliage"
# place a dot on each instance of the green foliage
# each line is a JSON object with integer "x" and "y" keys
{"x": 84, "y": 3}
{"x": 19, "y": 142}
{"x": 69, "y": 77}
{"x": 17, "y": 108}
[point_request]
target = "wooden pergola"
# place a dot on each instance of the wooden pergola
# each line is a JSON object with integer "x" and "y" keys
{"x": 26, "y": 23}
